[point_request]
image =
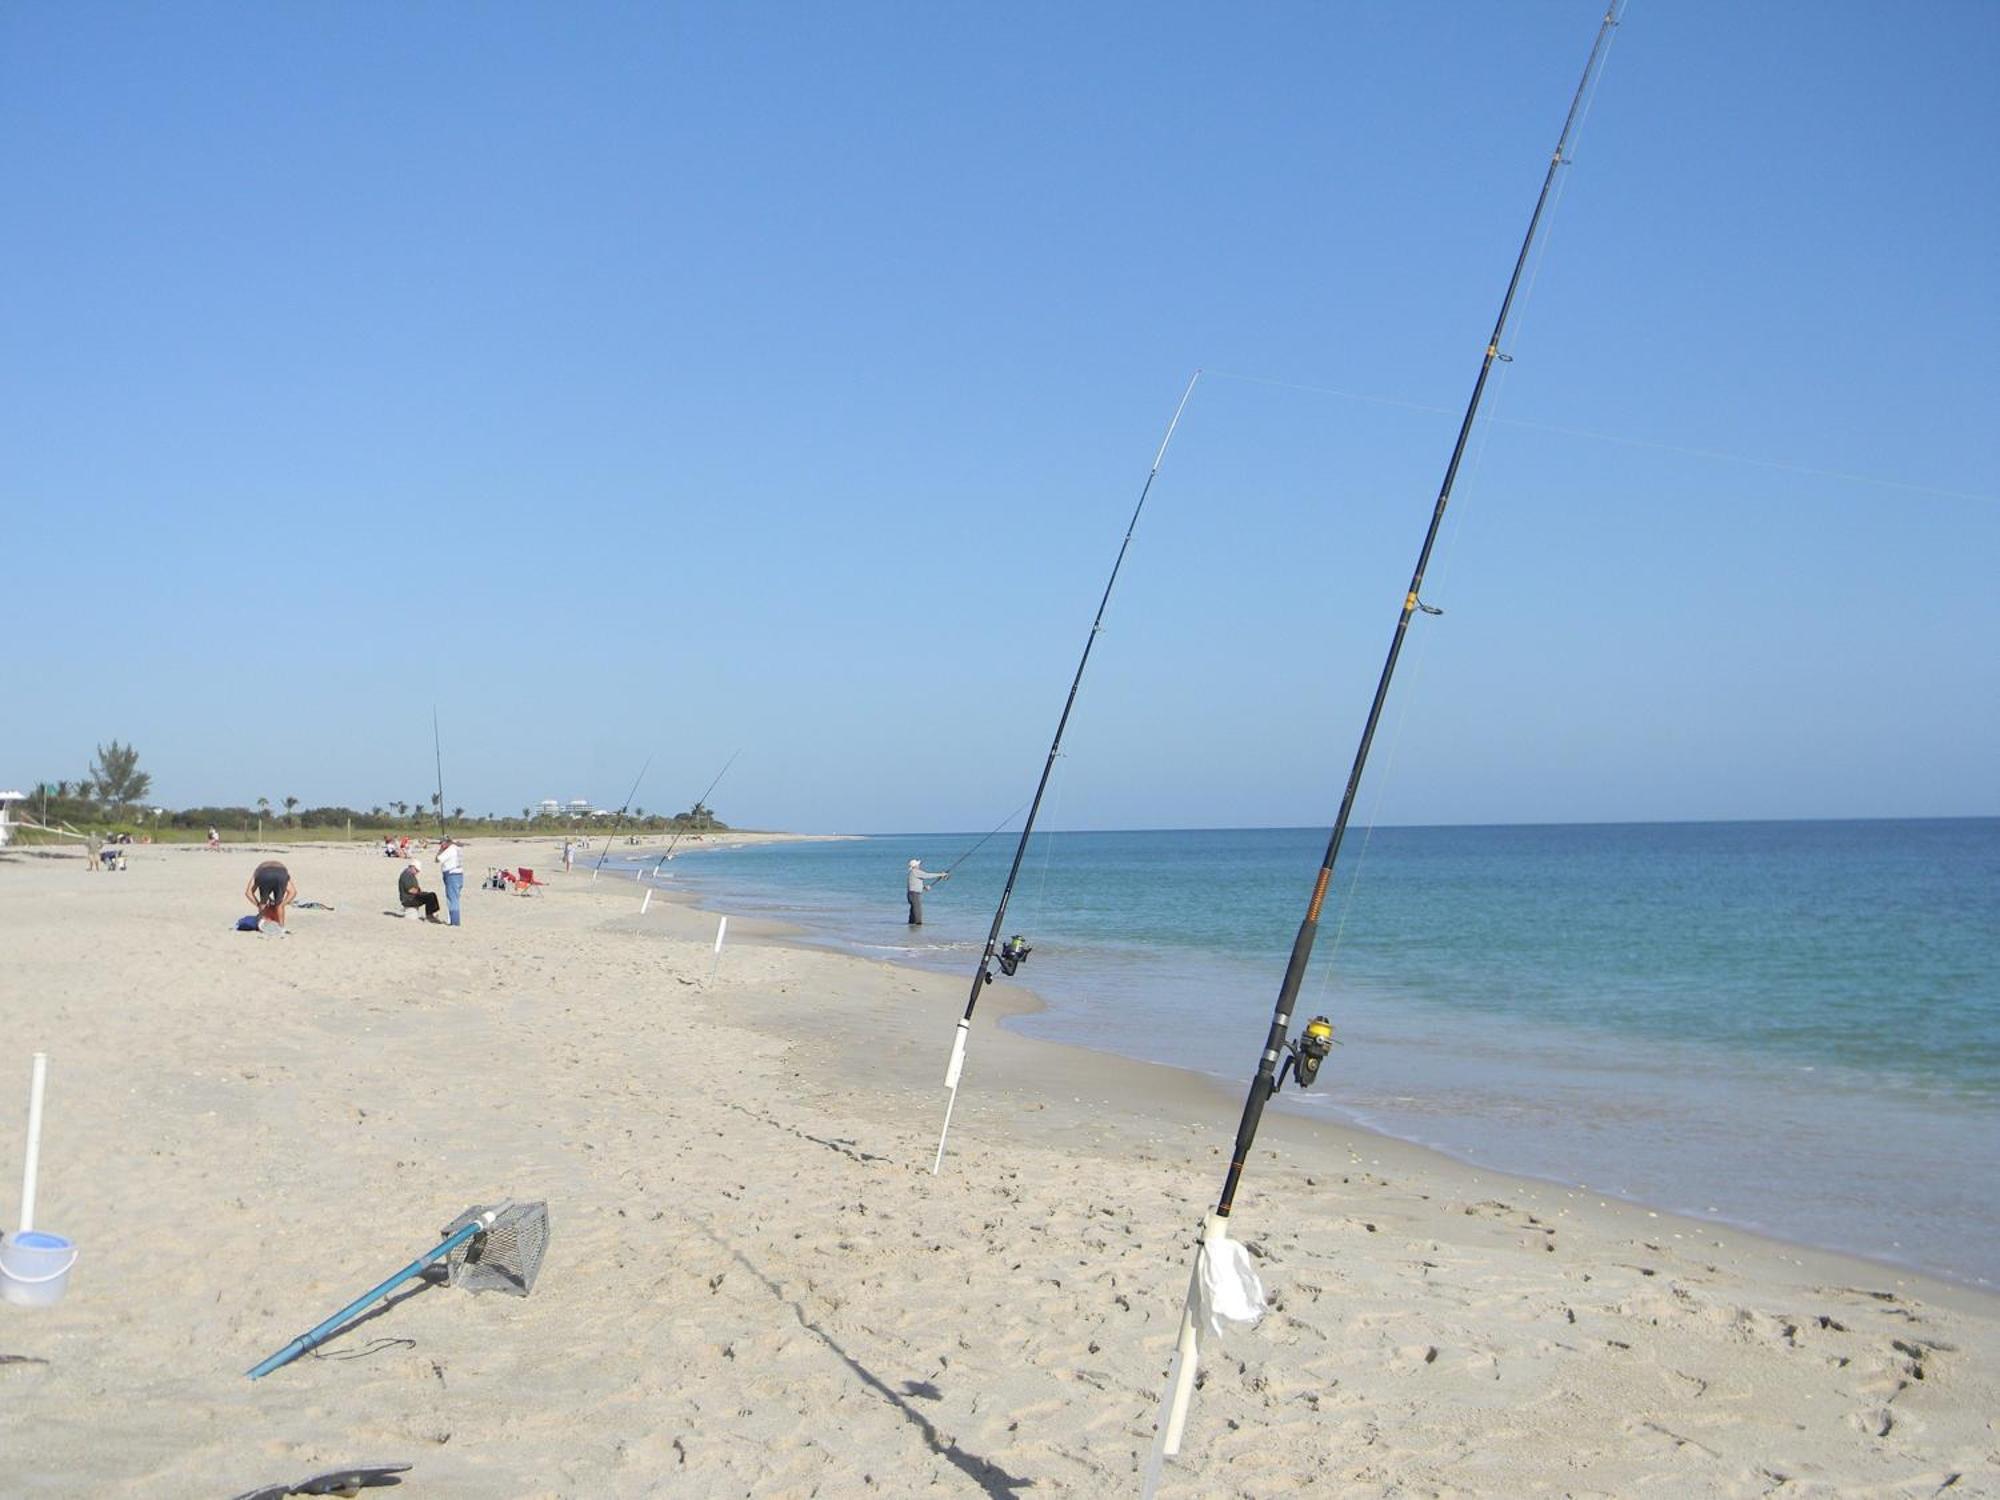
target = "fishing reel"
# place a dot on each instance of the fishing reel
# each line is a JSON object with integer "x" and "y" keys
{"x": 1304, "y": 1053}
{"x": 1013, "y": 953}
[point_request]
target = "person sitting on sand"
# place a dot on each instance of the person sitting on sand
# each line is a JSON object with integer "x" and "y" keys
{"x": 271, "y": 891}
{"x": 409, "y": 886}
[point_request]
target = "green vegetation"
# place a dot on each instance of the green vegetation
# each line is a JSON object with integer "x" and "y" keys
{"x": 116, "y": 776}
{"x": 112, "y": 798}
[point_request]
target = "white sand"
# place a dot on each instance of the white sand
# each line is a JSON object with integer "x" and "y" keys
{"x": 756, "y": 1288}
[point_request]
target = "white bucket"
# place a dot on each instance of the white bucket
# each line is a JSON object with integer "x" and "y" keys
{"x": 35, "y": 1267}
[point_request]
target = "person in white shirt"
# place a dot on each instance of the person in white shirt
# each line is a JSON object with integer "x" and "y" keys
{"x": 453, "y": 871}
{"x": 916, "y": 888}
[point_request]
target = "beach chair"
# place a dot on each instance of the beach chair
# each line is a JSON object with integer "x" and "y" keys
{"x": 524, "y": 880}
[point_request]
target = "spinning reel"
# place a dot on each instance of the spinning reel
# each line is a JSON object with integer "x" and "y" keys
{"x": 1305, "y": 1052}
{"x": 1013, "y": 953}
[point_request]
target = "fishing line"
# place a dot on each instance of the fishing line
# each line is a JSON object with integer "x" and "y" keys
{"x": 1223, "y": 1282}
{"x": 699, "y": 802}
{"x": 976, "y": 847}
{"x": 1519, "y": 324}
{"x": 1780, "y": 465}
{"x": 1016, "y": 951}
{"x": 605, "y": 852}
{"x": 1719, "y": 455}
{"x": 1528, "y": 424}
{"x": 1040, "y": 903}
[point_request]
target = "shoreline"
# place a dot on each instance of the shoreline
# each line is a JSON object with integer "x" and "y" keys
{"x": 756, "y": 1286}
{"x": 1015, "y": 1000}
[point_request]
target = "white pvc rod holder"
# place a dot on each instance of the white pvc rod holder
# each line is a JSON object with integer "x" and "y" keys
{"x": 37, "y": 1084}
{"x": 1171, "y": 1423}
{"x": 715, "y": 963}
{"x": 952, "y": 1070}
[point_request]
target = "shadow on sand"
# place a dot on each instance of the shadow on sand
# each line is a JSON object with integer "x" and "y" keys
{"x": 990, "y": 1477}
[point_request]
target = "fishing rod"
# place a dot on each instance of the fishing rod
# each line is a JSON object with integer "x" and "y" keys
{"x": 699, "y": 802}
{"x": 976, "y": 847}
{"x": 1016, "y": 951}
{"x": 605, "y": 853}
{"x": 1226, "y": 1281}
{"x": 437, "y": 748}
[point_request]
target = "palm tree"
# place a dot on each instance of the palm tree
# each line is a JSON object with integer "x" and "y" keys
{"x": 117, "y": 774}
{"x": 401, "y": 808}
{"x": 264, "y": 806}
{"x": 458, "y": 815}
{"x": 291, "y": 804}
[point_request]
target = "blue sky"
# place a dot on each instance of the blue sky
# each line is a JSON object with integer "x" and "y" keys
{"x": 636, "y": 381}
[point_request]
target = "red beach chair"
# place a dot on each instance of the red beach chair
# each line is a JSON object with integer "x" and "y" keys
{"x": 525, "y": 879}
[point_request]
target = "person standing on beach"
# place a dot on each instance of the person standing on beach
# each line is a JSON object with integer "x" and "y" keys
{"x": 271, "y": 891}
{"x": 453, "y": 871}
{"x": 916, "y": 889}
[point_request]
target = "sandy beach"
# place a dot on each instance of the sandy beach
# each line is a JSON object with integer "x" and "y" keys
{"x": 755, "y": 1287}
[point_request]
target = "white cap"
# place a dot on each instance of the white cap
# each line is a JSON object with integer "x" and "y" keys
{"x": 914, "y": 863}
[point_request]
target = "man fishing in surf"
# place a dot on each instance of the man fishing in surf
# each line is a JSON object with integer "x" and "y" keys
{"x": 916, "y": 888}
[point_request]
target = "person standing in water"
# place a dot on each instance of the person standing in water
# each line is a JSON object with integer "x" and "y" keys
{"x": 916, "y": 887}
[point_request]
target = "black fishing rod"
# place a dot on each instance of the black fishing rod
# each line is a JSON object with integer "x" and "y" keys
{"x": 1302, "y": 1058}
{"x": 699, "y": 803}
{"x": 437, "y": 749}
{"x": 1016, "y": 950}
{"x": 605, "y": 853}
{"x": 976, "y": 847}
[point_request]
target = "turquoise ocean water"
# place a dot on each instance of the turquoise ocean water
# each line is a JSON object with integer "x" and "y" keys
{"x": 1793, "y": 1027}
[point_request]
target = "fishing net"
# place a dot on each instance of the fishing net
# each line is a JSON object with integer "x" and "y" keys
{"x": 506, "y": 1255}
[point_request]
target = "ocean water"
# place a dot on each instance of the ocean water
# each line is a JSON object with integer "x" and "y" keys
{"x": 1791, "y": 1027}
